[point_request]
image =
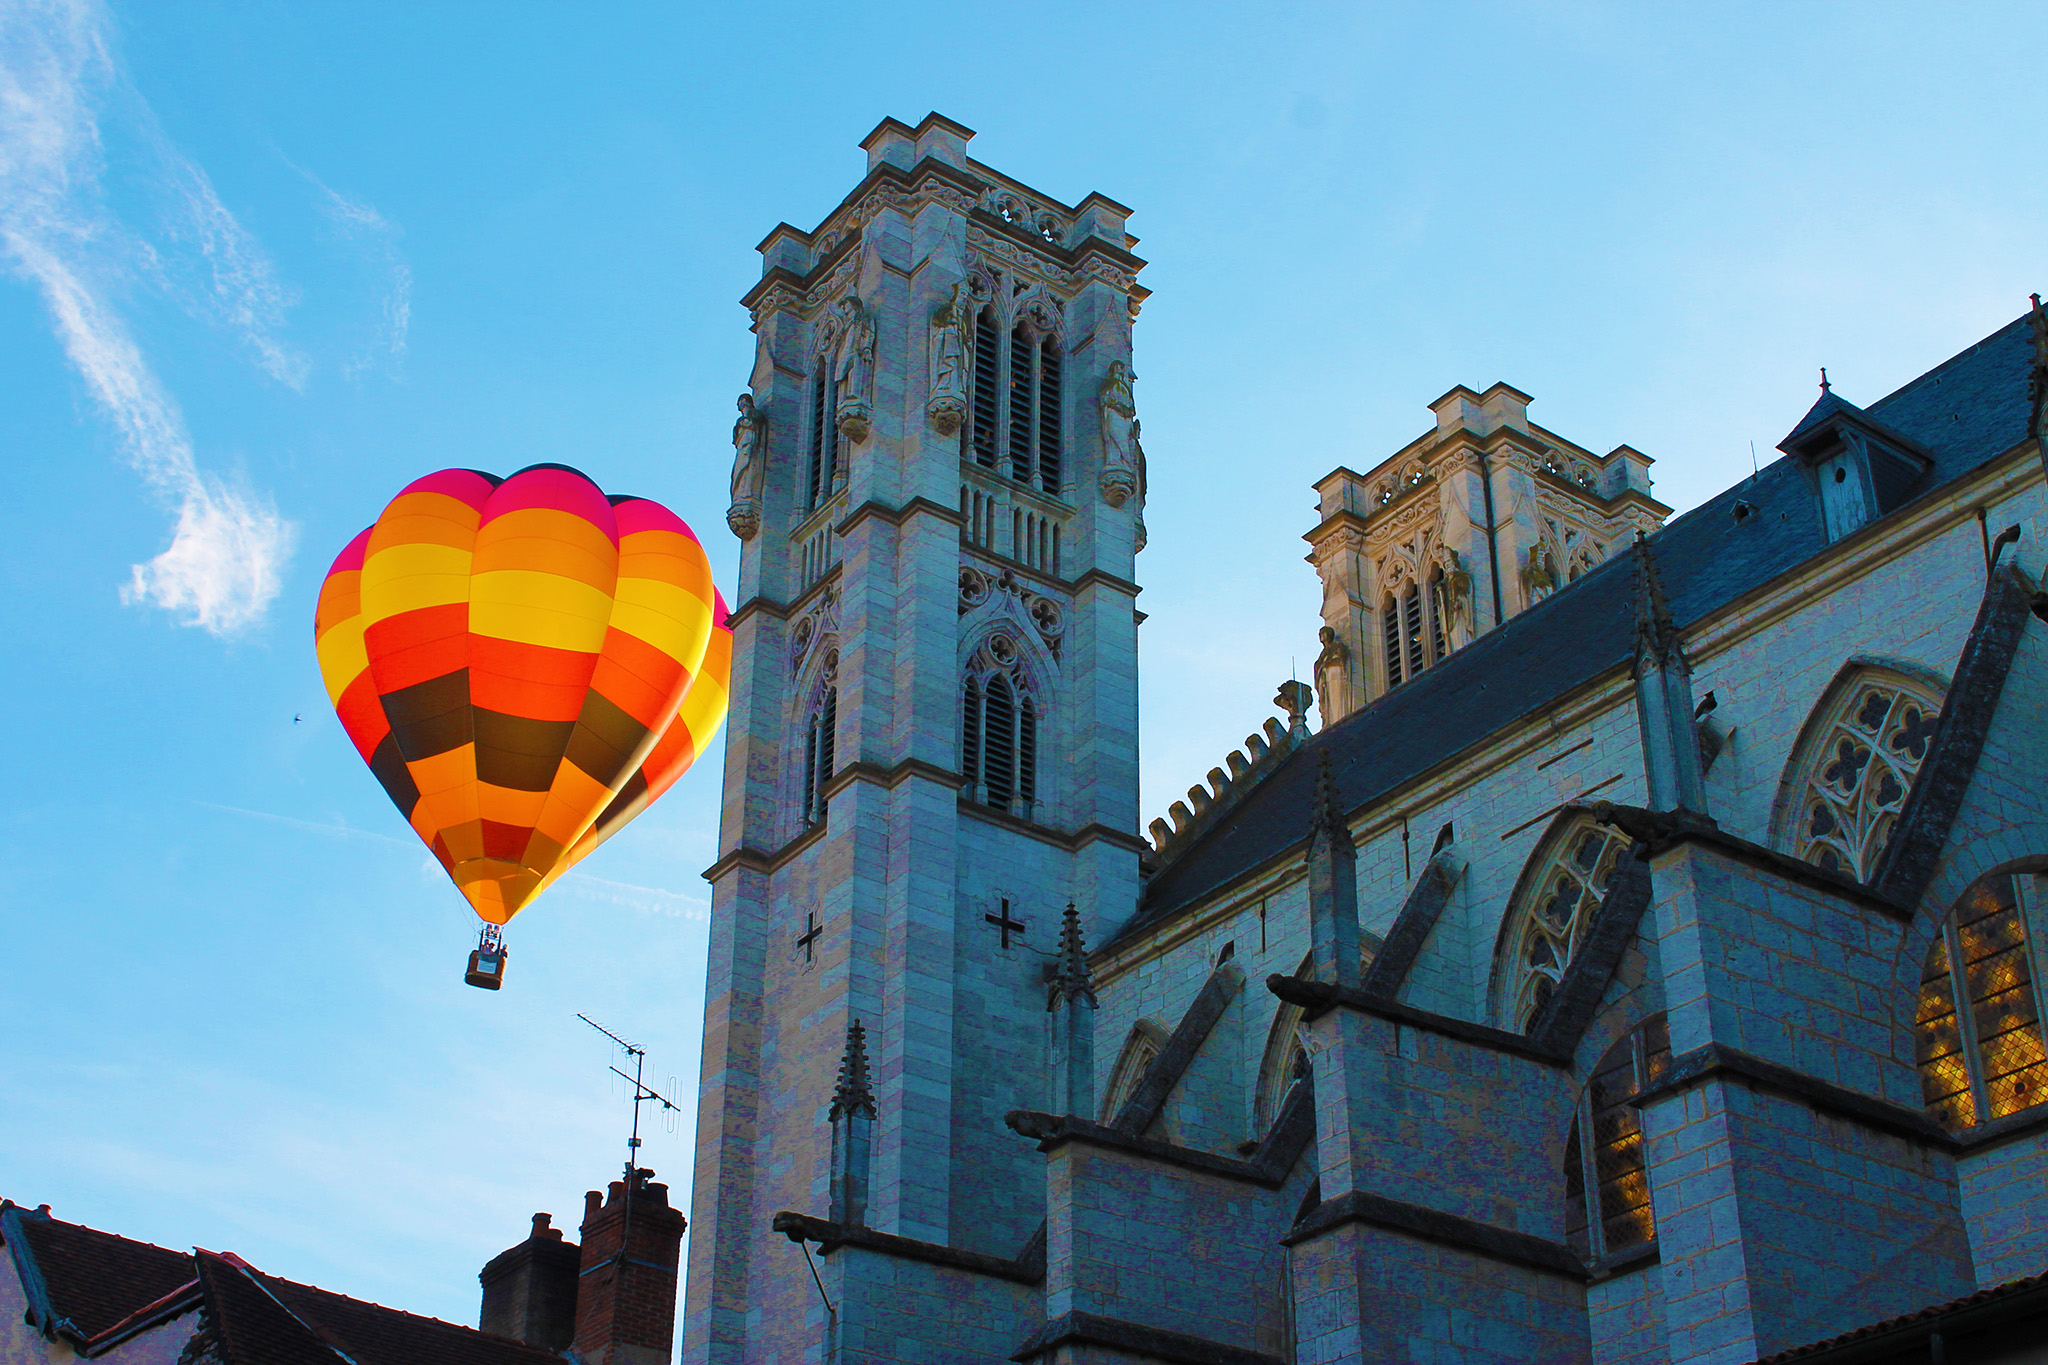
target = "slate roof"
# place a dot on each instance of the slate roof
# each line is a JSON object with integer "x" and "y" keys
{"x": 1965, "y": 412}
{"x": 95, "y": 1280}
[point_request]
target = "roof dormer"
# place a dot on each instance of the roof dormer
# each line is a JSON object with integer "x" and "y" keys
{"x": 1858, "y": 467}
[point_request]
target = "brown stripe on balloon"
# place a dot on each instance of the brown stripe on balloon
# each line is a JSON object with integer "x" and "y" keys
{"x": 608, "y": 741}
{"x": 635, "y": 785}
{"x": 518, "y": 751}
{"x": 387, "y": 764}
{"x": 430, "y": 717}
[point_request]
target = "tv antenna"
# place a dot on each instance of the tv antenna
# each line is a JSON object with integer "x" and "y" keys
{"x": 642, "y": 1092}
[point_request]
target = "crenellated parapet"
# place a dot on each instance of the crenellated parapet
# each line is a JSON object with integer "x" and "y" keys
{"x": 1228, "y": 784}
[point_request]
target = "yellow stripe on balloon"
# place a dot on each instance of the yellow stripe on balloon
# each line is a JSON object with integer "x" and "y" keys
{"x": 670, "y": 618}
{"x": 574, "y": 803}
{"x": 407, "y": 577}
{"x": 509, "y": 806}
{"x": 343, "y": 656}
{"x": 531, "y": 608}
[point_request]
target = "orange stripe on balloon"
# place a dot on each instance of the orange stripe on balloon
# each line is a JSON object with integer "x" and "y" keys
{"x": 549, "y": 541}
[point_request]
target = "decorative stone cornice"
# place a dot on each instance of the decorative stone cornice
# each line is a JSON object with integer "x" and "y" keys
{"x": 1319, "y": 997}
{"x": 1079, "y": 1329}
{"x": 1445, "y": 1229}
{"x": 1695, "y": 1068}
{"x": 1658, "y": 832}
{"x": 1267, "y": 1167}
{"x": 831, "y": 1236}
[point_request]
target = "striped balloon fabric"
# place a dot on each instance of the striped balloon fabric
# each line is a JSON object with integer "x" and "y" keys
{"x": 525, "y": 664}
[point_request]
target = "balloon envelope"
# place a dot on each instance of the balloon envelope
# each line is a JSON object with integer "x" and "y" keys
{"x": 525, "y": 664}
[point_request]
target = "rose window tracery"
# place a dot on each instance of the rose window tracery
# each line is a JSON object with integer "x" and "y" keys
{"x": 1558, "y": 903}
{"x": 1858, "y": 770}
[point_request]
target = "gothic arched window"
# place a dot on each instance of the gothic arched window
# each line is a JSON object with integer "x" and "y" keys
{"x": 820, "y": 732}
{"x": 1415, "y": 626}
{"x": 1439, "y": 615}
{"x": 999, "y": 726}
{"x": 1618, "y": 1217}
{"x": 1564, "y": 884}
{"x": 1849, "y": 780}
{"x": 1141, "y": 1049}
{"x": 1977, "y": 1028}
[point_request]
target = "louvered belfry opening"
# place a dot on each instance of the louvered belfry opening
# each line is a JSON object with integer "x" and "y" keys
{"x": 1022, "y": 408}
{"x": 986, "y": 390}
{"x": 1049, "y": 415}
{"x": 1015, "y": 421}
{"x": 818, "y": 759}
{"x": 999, "y": 743}
{"x": 818, "y": 478}
{"x": 1411, "y": 629}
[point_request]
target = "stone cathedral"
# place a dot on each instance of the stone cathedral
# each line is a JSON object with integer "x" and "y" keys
{"x": 1633, "y": 948}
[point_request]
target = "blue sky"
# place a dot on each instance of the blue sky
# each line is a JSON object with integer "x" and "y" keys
{"x": 260, "y": 265}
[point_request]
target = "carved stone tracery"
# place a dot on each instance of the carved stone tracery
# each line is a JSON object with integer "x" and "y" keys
{"x": 991, "y": 597}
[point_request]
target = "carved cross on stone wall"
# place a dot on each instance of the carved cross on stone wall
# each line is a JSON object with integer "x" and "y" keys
{"x": 808, "y": 939}
{"x": 1002, "y": 921}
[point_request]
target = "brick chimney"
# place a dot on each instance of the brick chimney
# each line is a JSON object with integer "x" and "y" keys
{"x": 530, "y": 1289}
{"x": 626, "y": 1302}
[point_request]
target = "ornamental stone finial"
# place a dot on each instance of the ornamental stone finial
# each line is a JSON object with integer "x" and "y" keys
{"x": 1295, "y": 697}
{"x": 1656, "y": 630}
{"x": 1327, "y": 827}
{"x": 852, "y": 1094}
{"x": 1071, "y": 978}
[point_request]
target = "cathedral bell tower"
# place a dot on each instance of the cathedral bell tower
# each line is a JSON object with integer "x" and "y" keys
{"x": 932, "y": 745}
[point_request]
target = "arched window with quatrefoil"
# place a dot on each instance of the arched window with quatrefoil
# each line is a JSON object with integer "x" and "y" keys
{"x": 1562, "y": 885}
{"x": 1000, "y": 723}
{"x": 1853, "y": 767}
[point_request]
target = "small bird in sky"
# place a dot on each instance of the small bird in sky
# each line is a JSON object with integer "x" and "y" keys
{"x": 296, "y": 718}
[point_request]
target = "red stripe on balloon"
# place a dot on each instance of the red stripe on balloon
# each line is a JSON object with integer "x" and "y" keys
{"x": 416, "y": 645}
{"x": 535, "y": 681}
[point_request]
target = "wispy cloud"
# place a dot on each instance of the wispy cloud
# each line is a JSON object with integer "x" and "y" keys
{"x": 650, "y": 900}
{"x": 362, "y": 225}
{"x": 238, "y": 288}
{"x": 339, "y": 828}
{"x": 229, "y": 546}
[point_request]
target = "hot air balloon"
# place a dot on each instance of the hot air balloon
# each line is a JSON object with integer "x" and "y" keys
{"x": 525, "y": 664}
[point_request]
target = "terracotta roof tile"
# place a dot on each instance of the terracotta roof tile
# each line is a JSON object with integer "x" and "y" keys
{"x": 2012, "y": 1294}
{"x": 94, "y": 1279}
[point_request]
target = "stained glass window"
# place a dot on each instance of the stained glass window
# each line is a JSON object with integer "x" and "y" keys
{"x": 1618, "y": 1218}
{"x": 1977, "y": 1028}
